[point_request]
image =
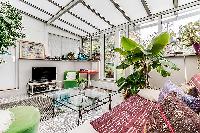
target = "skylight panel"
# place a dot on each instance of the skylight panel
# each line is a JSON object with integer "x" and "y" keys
{"x": 82, "y": 11}
{"x": 133, "y": 8}
{"x": 107, "y": 10}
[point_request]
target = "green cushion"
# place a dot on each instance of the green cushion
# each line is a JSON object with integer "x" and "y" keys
{"x": 70, "y": 84}
{"x": 26, "y": 120}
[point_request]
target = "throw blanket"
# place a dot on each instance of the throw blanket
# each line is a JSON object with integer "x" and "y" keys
{"x": 128, "y": 117}
{"x": 6, "y": 118}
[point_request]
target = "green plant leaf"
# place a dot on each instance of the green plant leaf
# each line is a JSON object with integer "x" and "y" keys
{"x": 123, "y": 66}
{"x": 120, "y": 81}
{"x": 158, "y": 43}
{"x": 162, "y": 71}
{"x": 128, "y": 44}
{"x": 120, "y": 51}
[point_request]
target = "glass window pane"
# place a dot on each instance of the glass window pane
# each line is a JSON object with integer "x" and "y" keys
{"x": 146, "y": 34}
{"x": 109, "y": 56}
{"x": 96, "y": 48}
{"x": 121, "y": 72}
{"x": 86, "y": 46}
{"x": 8, "y": 70}
{"x": 174, "y": 27}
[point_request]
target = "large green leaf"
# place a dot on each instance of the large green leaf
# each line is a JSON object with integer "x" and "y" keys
{"x": 159, "y": 43}
{"x": 162, "y": 71}
{"x": 128, "y": 44}
{"x": 123, "y": 66}
{"x": 120, "y": 51}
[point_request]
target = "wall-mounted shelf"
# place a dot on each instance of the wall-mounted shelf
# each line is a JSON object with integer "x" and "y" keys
{"x": 60, "y": 60}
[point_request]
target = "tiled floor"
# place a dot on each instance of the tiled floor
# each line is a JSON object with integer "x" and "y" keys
{"x": 68, "y": 120}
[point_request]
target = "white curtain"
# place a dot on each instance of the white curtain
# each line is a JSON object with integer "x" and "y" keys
{"x": 59, "y": 45}
{"x": 8, "y": 71}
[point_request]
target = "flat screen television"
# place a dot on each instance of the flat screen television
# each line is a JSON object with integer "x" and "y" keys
{"x": 43, "y": 73}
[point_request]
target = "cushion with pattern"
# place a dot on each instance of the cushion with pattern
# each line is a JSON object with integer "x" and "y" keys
{"x": 168, "y": 88}
{"x": 173, "y": 116}
{"x": 195, "y": 80}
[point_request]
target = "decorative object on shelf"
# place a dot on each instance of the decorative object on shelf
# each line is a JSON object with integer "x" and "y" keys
{"x": 64, "y": 57}
{"x": 31, "y": 50}
{"x": 143, "y": 60}
{"x": 190, "y": 35}
{"x": 95, "y": 56}
{"x": 82, "y": 56}
{"x": 56, "y": 58}
{"x": 70, "y": 56}
{"x": 10, "y": 27}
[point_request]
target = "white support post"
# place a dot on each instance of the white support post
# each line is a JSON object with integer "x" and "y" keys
{"x": 117, "y": 56}
{"x": 159, "y": 24}
{"x": 101, "y": 57}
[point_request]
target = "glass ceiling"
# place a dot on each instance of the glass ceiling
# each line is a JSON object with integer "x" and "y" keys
{"x": 85, "y": 17}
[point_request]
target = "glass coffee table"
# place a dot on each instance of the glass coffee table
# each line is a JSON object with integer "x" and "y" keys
{"x": 81, "y": 101}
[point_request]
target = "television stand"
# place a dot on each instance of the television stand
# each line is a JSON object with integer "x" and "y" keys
{"x": 42, "y": 87}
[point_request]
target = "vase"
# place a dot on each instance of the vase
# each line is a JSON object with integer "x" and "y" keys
{"x": 196, "y": 47}
{"x": 82, "y": 86}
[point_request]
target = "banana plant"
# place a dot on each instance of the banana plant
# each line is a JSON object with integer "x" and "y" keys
{"x": 143, "y": 61}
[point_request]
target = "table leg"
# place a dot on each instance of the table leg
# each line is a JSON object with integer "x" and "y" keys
{"x": 79, "y": 115}
{"x": 89, "y": 80}
{"x": 110, "y": 100}
{"x": 53, "y": 108}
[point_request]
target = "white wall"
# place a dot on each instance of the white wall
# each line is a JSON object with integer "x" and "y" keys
{"x": 177, "y": 77}
{"x": 35, "y": 31}
{"x": 25, "y": 69}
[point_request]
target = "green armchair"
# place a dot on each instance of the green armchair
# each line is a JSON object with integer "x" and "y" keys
{"x": 71, "y": 79}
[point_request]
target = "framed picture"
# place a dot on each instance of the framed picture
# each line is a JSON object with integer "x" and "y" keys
{"x": 31, "y": 50}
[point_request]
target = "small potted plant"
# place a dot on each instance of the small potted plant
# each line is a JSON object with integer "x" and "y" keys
{"x": 190, "y": 35}
{"x": 82, "y": 83}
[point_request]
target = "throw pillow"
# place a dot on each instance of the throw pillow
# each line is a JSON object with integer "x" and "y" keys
{"x": 86, "y": 127}
{"x": 71, "y": 76}
{"x": 173, "y": 116}
{"x": 193, "y": 92}
{"x": 192, "y": 102}
{"x": 168, "y": 88}
{"x": 149, "y": 94}
{"x": 6, "y": 118}
{"x": 195, "y": 80}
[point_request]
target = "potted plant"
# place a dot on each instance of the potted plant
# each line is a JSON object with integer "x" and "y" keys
{"x": 70, "y": 56}
{"x": 10, "y": 27}
{"x": 82, "y": 83}
{"x": 143, "y": 60}
{"x": 190, "y": 35}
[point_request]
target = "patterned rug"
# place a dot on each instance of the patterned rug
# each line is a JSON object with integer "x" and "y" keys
{"x": 68, "y": 120}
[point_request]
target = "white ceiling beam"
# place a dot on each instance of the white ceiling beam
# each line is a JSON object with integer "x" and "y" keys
{"x": 63, "y": 11}
{"x": 96, "y": 13}
{"x": 175, "y": 3}
{"x": 146, "y": 7}
{"x": 120, "y": 10}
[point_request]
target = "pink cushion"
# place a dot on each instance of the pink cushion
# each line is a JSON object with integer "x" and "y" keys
{"x": 195, "y": 80}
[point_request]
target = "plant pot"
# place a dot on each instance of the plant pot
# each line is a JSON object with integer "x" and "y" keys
{"x": 126, "y": 94}
{"x": 196, "y": 47}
